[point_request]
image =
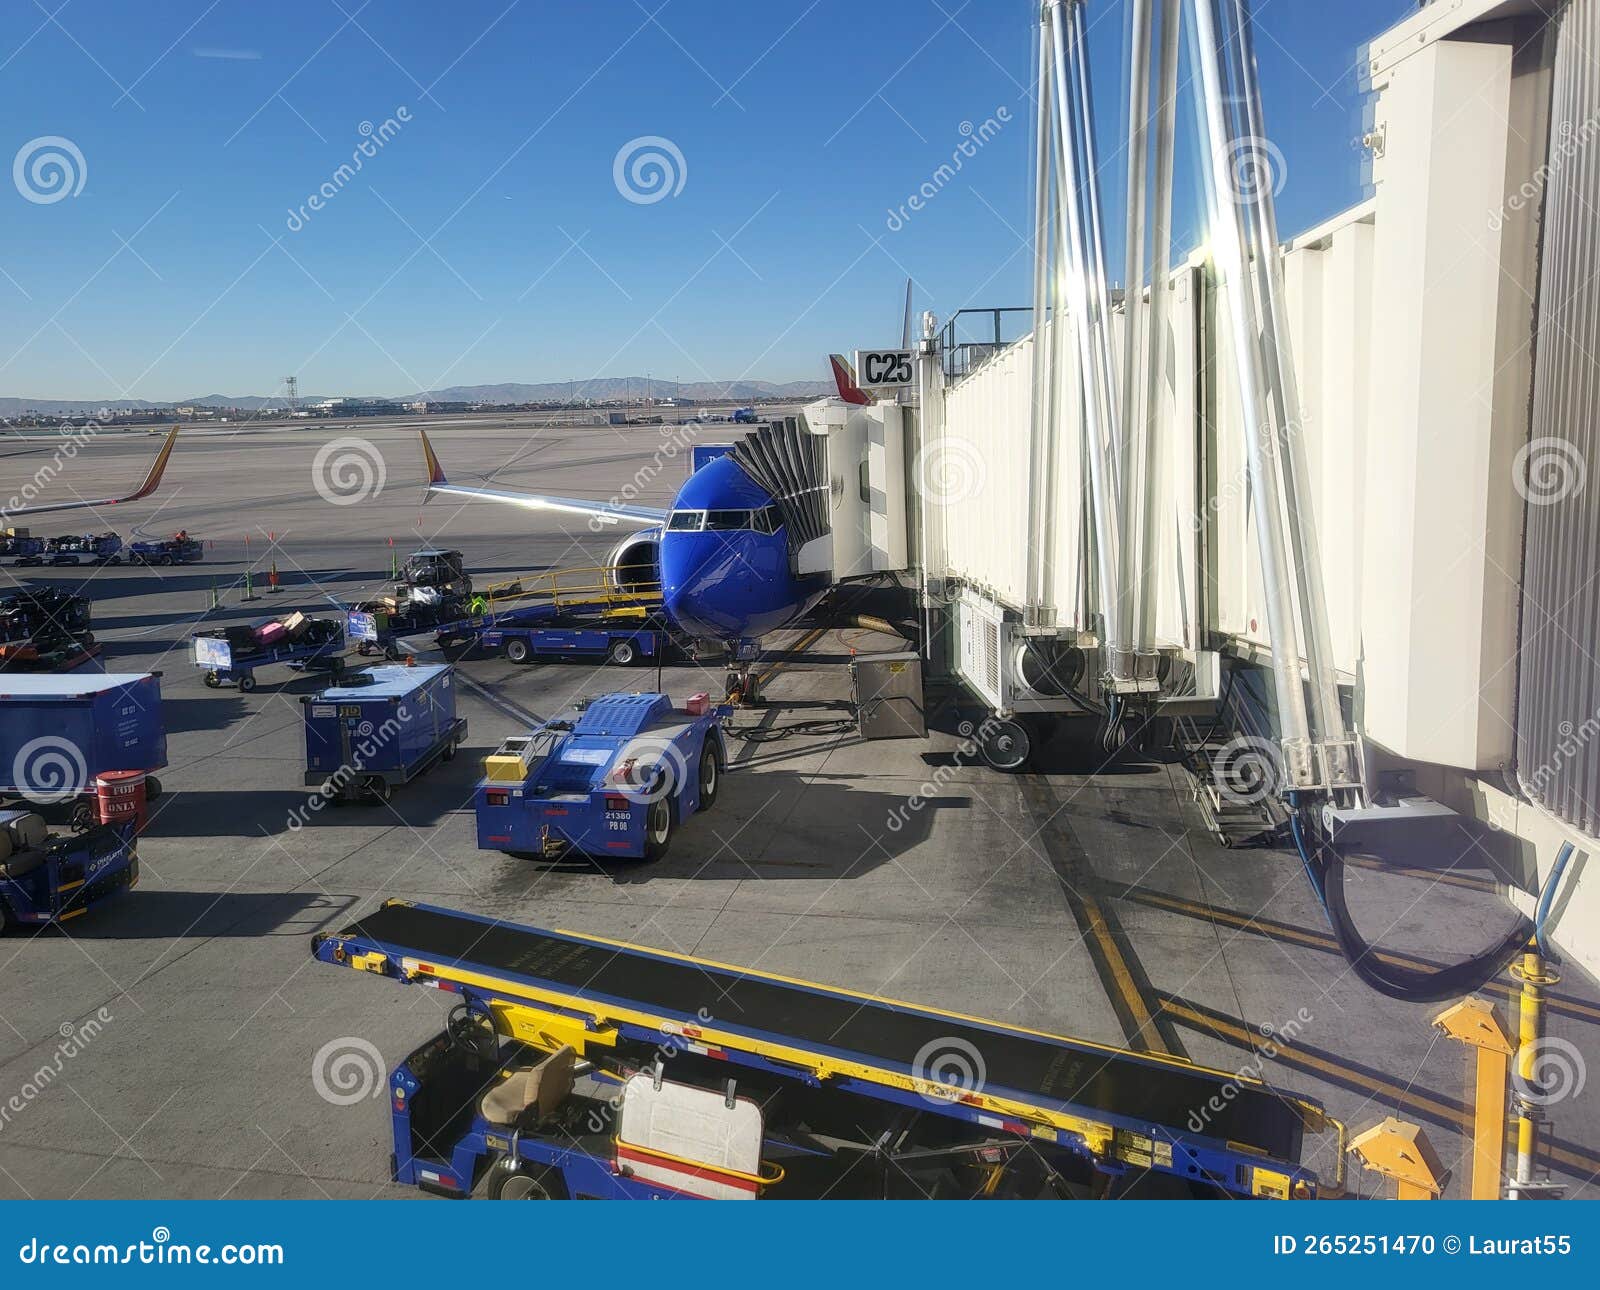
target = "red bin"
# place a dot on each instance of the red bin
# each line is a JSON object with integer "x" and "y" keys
{"x": 120, "y": 796}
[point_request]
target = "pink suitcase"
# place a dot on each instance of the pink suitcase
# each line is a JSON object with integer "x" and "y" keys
{"x": 272, "y": 633}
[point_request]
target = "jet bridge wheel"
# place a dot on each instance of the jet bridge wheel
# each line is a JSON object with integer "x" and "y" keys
{"x": 525, "y": 1182}
{"x": 1005, "y": 745}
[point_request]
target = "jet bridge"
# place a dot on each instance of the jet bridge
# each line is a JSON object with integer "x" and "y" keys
{"x": 1347, "y": 475}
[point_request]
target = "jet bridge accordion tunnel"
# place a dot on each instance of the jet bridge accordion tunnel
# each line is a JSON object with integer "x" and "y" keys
{"x": 1349, "y": 469}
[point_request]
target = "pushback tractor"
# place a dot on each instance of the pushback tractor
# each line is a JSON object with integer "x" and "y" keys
{"x": 574, "y": 1066}
{"x": 615, "y": 778}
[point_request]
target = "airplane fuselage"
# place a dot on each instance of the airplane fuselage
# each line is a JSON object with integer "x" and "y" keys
{"x": 725, "y": 565}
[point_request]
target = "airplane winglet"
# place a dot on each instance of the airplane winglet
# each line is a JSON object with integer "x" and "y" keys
{"x": 844, "y": 377}
{"x": 430, "y": 459}
{"x": 152, "y": 481}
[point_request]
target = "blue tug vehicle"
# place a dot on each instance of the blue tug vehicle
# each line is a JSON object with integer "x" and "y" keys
{"x": 615, "y": 778}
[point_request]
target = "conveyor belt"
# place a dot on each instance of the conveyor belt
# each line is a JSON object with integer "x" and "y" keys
{"x": 1036, "y": 1069}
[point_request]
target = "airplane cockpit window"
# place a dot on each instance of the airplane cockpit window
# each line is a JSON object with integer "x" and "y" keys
{"x": 727, "y": 521}
{"x": 766, "y": 520}
{"x": 685, "y": 521}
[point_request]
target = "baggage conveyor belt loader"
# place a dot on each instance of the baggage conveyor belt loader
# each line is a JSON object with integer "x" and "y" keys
{"x": 582, "y": 1067}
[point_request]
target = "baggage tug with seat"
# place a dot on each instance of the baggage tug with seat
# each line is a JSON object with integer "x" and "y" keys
{"x": 47, "y": 878}
{"x": 574, "y": 1066}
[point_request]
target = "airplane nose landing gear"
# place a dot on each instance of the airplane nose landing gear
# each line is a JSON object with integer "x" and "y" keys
{"x": 744, "y": 685}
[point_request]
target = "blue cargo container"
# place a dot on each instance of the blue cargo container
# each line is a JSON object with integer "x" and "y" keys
{"x": 58, "y": 732}
{"x": 380, "y": 728}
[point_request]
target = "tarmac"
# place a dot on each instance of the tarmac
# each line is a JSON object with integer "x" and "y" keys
{"x": 1085, "y": 899}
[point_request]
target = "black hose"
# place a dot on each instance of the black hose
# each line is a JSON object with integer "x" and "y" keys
{"x": 771, "y": 734}
{"x": 1325, "y": 868}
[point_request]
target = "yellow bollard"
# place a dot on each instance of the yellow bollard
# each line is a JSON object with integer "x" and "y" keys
{"x": 1535, "y": 975}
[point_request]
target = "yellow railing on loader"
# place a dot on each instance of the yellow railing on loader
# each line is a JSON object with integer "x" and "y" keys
{"x": 594, "y": 588}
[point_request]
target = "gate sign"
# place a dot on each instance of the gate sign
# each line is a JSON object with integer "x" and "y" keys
{"x": 878, "y": 368}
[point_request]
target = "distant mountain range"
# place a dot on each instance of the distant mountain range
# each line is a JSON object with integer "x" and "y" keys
{"x": 601, "y": 389}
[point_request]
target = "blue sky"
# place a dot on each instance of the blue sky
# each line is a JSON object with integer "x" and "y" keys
{"x": 486, "y": 239}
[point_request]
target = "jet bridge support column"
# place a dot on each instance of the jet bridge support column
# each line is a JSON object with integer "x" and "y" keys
{"x": 1146, "y": 341}
{"x": 1236, "y": 154}
{"x": 1079, "y": 300}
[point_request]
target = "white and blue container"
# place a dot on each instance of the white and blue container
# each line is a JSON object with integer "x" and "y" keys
{"x": 66, "y": 729}
{"x": 382, "y": 727}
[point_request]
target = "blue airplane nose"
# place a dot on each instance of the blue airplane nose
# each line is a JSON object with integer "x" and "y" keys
{"x": 729, "y": 586}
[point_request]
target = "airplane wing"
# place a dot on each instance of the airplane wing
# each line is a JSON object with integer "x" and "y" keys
{"x": 152, "y": 481}
{"x": 606, "y": 512}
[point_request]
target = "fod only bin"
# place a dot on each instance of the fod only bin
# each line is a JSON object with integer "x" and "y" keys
{"x": 381, "y": 728}
{"x": 59, "y": 735}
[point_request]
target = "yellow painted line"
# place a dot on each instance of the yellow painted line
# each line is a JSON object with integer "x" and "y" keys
{"x": 1489, "y": 1123}
{"x": 799, "y": 647}
{"x": 1424, "y": 875}
{"x": 1132, "y": 996}
{"x": 1277, "y": 931}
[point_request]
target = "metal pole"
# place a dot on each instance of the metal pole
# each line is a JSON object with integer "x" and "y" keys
{"x": 1096, "y": 263}
{"x": 1157, "y": 338}
{"x": 1042, "y": 425}
{"x": 1259, "y": 199}
{"x": 1134, "y": 569}
{"x": 1076, "y": 289}
{"x": 1229, "y": 242}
